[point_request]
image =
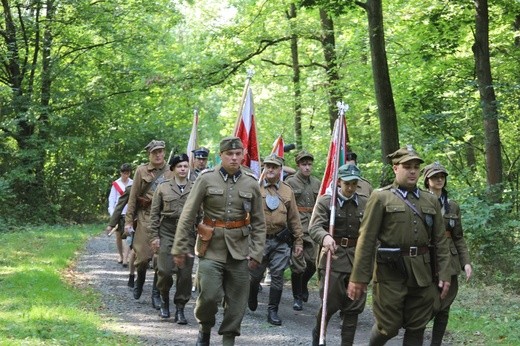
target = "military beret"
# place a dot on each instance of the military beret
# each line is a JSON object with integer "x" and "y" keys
{"x": 349, "y": 172}
{"x": 404, "y": 154}
{"x": 153, "y": 145}
{"x": 303, "y": 155}
{"x": 274, "y": 159}
{"x": 201, "y": 153}
{"x": 230, "y": 143}
{"x": 175, "y": 159}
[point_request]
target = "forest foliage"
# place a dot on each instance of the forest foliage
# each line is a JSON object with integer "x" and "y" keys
{"x": 85, "y": 85}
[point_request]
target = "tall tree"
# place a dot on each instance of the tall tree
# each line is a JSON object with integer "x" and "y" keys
{"x": 488, "y": 101}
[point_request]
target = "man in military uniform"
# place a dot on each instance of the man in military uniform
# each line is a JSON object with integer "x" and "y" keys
{"x": 364, "y": 187}
{"x": 283, "y": 229}
{"x": 168, "y": 201}
{"x": 230, "y": 240}
{"x": 146, "y": 179}
{"x": 201, "y": 161}
{"x": 306, "y": 188}
{"x": 405, "y": 221}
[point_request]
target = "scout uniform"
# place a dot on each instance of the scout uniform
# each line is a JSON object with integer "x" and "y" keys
{"x": 233, "y": 206}
{"x": 167, "y": 203}
{"x": 306, "y": 191}
{"x": 146, "y": 180}
{"x": 458, "y": 250}
{"x": 349, "y": 213}
{"x": 283, "y": 228}
{"x": 403, "y": 289}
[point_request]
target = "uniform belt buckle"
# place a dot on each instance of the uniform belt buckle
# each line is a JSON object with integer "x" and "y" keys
{"x": 413, "y": 251}
{"x": 344, "y": 242}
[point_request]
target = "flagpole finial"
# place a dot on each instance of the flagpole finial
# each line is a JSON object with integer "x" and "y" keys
{"x": 250, "y": 72}
{"x": 342, "y": 107}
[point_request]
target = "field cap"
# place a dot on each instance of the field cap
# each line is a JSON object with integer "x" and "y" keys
{"x": 274, "y": 159}
{"x": 201, "y": 153}
{"x": 404, "y": 154}
{"x": 153, "y": 145}
{"x": 230, "y": 143}
{"x": 349, "y": 172}
{"x": 304, "y": 154}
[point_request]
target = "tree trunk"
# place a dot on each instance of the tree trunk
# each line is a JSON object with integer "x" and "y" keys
{"x": 383, "y": 87}
{"x": 328, "y": 43}
{"x": 488, "y": 101}
{"x": 296, "y": 83}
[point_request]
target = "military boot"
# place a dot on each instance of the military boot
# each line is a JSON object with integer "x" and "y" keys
{"x": 131, "y": 280}
{"x": 296, "y": 284}
{"x": 306, "y": 277}
{"x": 315, "y": 337}
{"x": 272, "y": 309}
{"x": 439, "y": 327}
{"x": 413, "y": 337}
{"x": 156, "y": 296}
{"x": 165, "y": 305}
{"x": 139, "y": 283}
{"x": 203, "y": 339}
{"x": 252, "y": 302}
{"x": 179, "y": 315}
{"x": 348, "y": 329}
{"x": 378, "y": 339}
{"x": 228, "y": 340}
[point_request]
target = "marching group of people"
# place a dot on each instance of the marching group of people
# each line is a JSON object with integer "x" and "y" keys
{"x": 408, "y": 242}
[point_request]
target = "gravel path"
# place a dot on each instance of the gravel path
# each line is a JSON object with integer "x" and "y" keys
{"x": 97, "y": 268}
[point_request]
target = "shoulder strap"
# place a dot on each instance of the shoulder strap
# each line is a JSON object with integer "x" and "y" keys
{"x": 414, "y": 209}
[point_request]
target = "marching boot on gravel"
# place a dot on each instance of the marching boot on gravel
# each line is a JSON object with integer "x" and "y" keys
{"x": 439, "y": 327}
{"x": 348, "y": 329}
{"x": 156, "y": 296}
{"x": 179, "y": 315}
{"x": 253, "y": 295}
{"x": 413, "y": 338}
{"x": 131, "y": 280}
{"x": 272, "y": 309}
{"x": 203, "y": 339}
{"x": 296, "y": 284}
{"x": 165, "y": 305}
{"x": 139, "y": 283}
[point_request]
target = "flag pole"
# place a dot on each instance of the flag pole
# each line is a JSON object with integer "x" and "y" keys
{"x": 250, "y": 74}
{"x": 341, "y": 134}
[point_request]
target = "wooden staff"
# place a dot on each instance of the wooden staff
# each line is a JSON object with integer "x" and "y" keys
{"x": 340, "y": 134}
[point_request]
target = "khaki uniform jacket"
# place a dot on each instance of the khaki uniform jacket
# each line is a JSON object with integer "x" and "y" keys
{"x": 364, "y": 187}
{"x": 143, "y": 177}
{"x": 458, "y": 248}
{"x": 228, "y": 198}
{"x": 167, "y": 203}
{"x": 390, "y": 221}
{"x": 347, "y": 222}
{"x": 286, "y": 215}
{"x": 306, "y": 191}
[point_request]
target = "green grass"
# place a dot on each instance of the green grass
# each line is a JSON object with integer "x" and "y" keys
{"x": 38, "y": 304}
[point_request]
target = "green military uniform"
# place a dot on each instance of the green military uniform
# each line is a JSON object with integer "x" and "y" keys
{"x": 364, "y": 187}
{"x": 348, "y": 216}
{"x": 402, "y": 297}
{"x": 281, "y": 216}
{"x": 227, "y": 200}
{"x": 306, "y": 191}
{"x": 168, "y": 201}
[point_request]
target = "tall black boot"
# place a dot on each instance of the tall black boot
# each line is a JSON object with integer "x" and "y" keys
{"x": 348, "y": 329}
{"x": 139, "y": 282}
{"x": 253, "y": 295}
{"x": 203, "y": 339}
{"x": 296, "y": 284}
{"x": 179, "y": 315}
{"x": 440, "y": 323}
{"x": 413, "y": 338}
{"x": 306, "y": 277}
{"x": 165, "y": 305}
{"x": 272, "y": 309}
{"x": 315, "y": 337}
{"x": 156, "y": 296}
{"x": 131, "y": 280}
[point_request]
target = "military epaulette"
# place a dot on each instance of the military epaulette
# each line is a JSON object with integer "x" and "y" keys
{"x": 250, "y": 174}
{"x": 165, "y": 181}
{"x": 285, "y": 183}
{"x": 388, "y": 187}
{"x": 207, "y": 170}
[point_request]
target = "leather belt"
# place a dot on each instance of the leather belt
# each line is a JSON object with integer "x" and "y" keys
{"x": 227, "y": 224}
{"x": 305, "y": 209}
{"x": 345, "y": 242}
{"x": 448, "y": 234}
{"x": 414, "y": 251}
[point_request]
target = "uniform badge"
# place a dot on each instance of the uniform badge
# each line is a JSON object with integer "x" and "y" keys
{"x": 272, "y": 202}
